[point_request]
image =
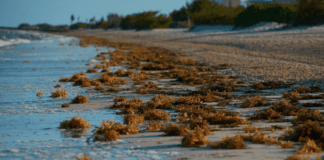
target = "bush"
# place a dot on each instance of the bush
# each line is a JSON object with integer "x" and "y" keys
{"x": 114, "y": 19}
{"x": 145, "y": 20}
{"x": 280, "y": 13}
{"x": 24, "y": 26}
{"x": 310, "y": 12}
{"x": 79, "y": 25}
{"x": 216, "y": 14}
{"x": 180, "y": 15}
{"x": 206, "y": 12}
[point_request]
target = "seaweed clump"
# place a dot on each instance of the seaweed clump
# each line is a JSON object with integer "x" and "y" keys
{"x": 175, "y": 130}
{"x": 161, "y": 102}
{"x": 297, "y": 157}
{"x": 195, "y": 138}
{"x": 64, "y": 79}
{"x": 278, "y": 110}
{"x": 83, "y": 82}
{"x": 59, "y": 93}
{"x": 293, "y": 96}
{"x": 39, "y": 94}
{"x": 154, "y": 126}
{"x": 270, "y": 85}
{"x": 80, "y": 99}
{"x": 91, "y": 70}
{"x": 309, "y": 148}
{"x": 154, "y": 114}
{"x": 263, "y": 138}
{"x": 308, "y": 131}
{"x": 83, "y": 157}
{"x": 235, "y": 142}
{"x": 58, "y": 85}
{"x": 250, "y": 129}
{"x": 254, "y": 102}
{"x": 222, "y": 118}
{"x": 267, "y": 114}
{"x": 309, "y": 115}
{"x": 133, "y": 119}
{"x": 65, "y": 105}
{"x": 75, "y": 122}
{"x": 122, "y": 102}
{"x": 199, "y": 123}
{"x": 110, "y": 131}
{"x": 311, "y": 89}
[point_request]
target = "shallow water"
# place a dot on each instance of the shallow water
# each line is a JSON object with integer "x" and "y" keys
{"x": 29, "y": 125}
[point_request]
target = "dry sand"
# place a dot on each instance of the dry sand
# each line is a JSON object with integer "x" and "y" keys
{"x": 293, "y": 55}
{"x": 285, "y": 55}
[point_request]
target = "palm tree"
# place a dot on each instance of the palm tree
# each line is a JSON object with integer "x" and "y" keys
{"x": 72, "y": 18}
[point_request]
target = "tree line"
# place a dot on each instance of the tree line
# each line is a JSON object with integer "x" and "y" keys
{"x": 209, "y": 12}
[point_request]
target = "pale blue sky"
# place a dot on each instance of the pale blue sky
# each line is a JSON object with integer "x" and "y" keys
{"x": 55, "y": 12}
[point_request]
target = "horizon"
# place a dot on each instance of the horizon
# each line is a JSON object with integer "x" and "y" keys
{"x": 58, "y": 12}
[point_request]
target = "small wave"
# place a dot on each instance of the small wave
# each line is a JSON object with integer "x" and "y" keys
{"x": 5, "y": 59}
{"x": 9, "y": 37}
{"x": 13, "y": 41}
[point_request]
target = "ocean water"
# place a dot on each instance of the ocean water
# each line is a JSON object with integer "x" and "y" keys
{"x": 29, "y": 125}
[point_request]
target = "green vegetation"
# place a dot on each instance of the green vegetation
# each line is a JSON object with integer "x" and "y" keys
{"x": 145, "y": 20}
{"x": 310, "y": 12}
{"x": 207, "y": 12}
{"x": 180, "y": 15}
{"x": 280, "y": 13}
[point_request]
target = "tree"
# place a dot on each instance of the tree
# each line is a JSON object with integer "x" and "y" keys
{"x": 146, "y": 20}
{"x": 72, "y": 18}
{"x": 93, "y": 20}
{"x": 310, "y": 12}
{"x": 114, "y": 19}
{"x": 24, "y": 26}
{"x": 102, "y": 20}
{"x": 179, "y": 15}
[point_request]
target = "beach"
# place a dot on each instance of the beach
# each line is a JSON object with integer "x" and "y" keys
{"x": 200, "y": 75}
{"x": 258, "y": 54}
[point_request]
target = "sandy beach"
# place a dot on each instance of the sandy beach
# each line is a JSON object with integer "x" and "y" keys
{"x": 293, "y": 57}
{"x": 258, "y": 54}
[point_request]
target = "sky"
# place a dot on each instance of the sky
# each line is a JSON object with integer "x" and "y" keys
{"x": 58, "y": 12}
